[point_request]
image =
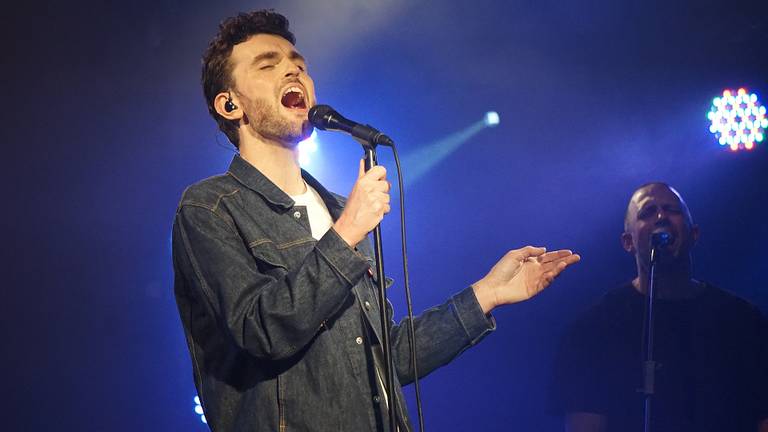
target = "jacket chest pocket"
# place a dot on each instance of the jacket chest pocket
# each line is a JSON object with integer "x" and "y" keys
{"x": 268, "y": 258}
{"x": 277, "y": 259}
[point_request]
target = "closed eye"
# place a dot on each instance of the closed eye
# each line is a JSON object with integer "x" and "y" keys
{"x": 648, "y": 211}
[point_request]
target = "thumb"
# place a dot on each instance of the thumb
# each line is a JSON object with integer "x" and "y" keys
{"x": 530, "y": 251}
{"x": 361, "y": 170}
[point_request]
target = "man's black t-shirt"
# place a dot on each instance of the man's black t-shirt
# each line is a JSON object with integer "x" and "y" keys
{"x": 713, "y": 355}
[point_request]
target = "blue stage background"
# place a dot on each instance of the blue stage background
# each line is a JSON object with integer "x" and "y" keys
{"x": 105, "y": 125}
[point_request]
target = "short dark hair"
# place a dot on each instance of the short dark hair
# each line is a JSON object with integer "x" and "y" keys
{"x": 217, "y": 70}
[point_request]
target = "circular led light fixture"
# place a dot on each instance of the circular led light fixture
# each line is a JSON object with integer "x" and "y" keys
{"x": 738, "y": 119}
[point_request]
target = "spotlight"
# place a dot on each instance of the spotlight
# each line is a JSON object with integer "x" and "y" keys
{"x": 491, "y": 118}
{"x": 426, "y": 157}
{"x": 738, "y": 120}
{"x": 306, "y": 148}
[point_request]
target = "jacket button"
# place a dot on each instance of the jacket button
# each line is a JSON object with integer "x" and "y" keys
{"x": 297, "y": 214}
{"x": 377, "y": 399}
{"x": 367, "y": 305}
{"x": 359, "y": 340}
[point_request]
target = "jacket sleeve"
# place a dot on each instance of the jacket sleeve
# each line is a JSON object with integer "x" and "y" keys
{"x": 270, "y": 316}
{"x": 442, "y": 333}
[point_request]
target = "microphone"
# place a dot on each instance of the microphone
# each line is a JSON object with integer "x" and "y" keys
{"x": 324, "y": 117}
{"x": 661, "y": 239}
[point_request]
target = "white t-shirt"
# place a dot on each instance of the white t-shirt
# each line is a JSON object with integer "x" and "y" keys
{"x": 319, "y": 218}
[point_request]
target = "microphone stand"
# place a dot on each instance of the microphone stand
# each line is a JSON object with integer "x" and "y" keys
{"x": 649, "y": 364}
{"x": 389, "y": 385}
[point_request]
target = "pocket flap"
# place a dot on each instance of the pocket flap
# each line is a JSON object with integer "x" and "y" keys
{"x": 266, "y": 251}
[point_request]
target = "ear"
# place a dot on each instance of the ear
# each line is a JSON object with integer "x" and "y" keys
{"x": 626, "y": 242}
{"x": 221, "y": 99}
{"x": 695, "y": 234}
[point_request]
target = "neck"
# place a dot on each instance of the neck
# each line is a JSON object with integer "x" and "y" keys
{"x": 279, "y": 162}
{"x": 669, "y": 284}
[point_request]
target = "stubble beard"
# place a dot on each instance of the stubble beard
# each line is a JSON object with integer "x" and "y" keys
{"x": 272, "y": 125}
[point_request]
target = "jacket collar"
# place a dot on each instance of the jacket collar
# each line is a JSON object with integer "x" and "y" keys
{"x": 250, "y": 177}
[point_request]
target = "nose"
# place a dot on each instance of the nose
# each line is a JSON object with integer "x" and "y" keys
{"x": 293, "y": 70}
{"x": 661, "y": 218}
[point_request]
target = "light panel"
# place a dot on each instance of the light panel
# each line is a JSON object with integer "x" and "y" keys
{"x": 738, "y": 119}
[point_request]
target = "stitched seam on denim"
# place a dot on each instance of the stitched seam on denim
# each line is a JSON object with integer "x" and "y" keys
{"x": 458, "y": 316}
{"x": 206, "y": 292}
{"x": 235, "y": 177}
{"x": 195, "y": 267}
{"x": 476, "y": 305}
{"x": 196, "y": 368}
{"x": 259, "y": 242}
{"x": 209, "y": 208}
{"x": 222, "y": 196}
{"x": 194, "y": 204}
{"x": 243, "y": 182}
{"x": 280, "y": 407}
{"x": 296, "y": 242}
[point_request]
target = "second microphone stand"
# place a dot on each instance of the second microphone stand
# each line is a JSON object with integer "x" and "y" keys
{"x": 649, "y": 364}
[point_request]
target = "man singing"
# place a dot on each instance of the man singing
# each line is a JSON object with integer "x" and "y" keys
{"x": 711, "y": 346}
{"x": 273, "y": 273}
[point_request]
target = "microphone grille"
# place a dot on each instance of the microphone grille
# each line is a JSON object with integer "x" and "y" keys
{"x": 661, "y": 238}
{"x": 318, "y": 116}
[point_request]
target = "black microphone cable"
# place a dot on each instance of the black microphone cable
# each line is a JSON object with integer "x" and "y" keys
{"x": 411, "y": 330}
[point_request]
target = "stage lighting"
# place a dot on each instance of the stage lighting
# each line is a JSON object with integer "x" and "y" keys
{"x": 199, "y": 410}
{"x": 306, "y": 148}
{"x": 738, "y": 120}
{"x": 491, "y": 118}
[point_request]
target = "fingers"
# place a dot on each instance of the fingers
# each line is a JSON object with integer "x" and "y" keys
{"x": 380, "y": 202}
{"x": 527, "y": 252}
{"x": 553, "y": 268}
{"x": 378, "y": 173}
{"x": 548, "y": 277}
{"x": 367, "y": 204}
{"x": 375, "y": 180}
{"x": 373, "y": 189}
{"x": 554, "y": 255}
{"x": 565, "y": 258}
{"x": 573, "y": 259}
{"x": 379, "y": 186}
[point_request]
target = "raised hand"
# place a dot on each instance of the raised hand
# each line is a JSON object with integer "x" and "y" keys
{"x": 521, "y": 274}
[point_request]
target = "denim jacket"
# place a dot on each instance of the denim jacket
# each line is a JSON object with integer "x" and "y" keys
{"x": 272, "y": 317}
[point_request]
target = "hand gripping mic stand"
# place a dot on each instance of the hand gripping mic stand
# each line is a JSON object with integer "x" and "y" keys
{"x": 389, "y": 382}
{"x": 658, "y": 240}
{"x": 324, "y": 117}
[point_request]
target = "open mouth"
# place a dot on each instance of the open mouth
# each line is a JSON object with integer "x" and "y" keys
{"x": 667, "y": 240}
{"x": 293, "y": 98}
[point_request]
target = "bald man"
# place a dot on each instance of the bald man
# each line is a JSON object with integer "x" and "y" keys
{"x": 711, "y": 346}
